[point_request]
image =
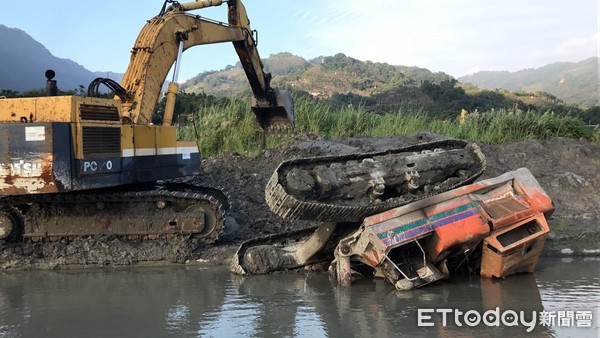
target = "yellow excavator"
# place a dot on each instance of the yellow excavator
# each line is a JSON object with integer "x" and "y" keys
{"x": 76, "y": 166}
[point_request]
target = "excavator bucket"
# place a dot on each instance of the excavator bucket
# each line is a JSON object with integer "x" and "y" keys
{"x": 277, "y": 115}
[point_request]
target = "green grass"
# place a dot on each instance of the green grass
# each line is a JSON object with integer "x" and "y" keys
{"x": 231, "y": 125}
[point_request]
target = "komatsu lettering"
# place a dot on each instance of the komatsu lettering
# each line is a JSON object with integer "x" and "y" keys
{"x": 22, "y": 168}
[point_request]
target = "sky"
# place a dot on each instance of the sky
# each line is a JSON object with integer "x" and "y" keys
{"x": 458, "y": 37}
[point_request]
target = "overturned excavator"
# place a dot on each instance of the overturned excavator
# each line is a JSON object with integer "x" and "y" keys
{"x": 340, "y": 191}
{"x": 406, "y": 215}
{"x": 499, "y": 223}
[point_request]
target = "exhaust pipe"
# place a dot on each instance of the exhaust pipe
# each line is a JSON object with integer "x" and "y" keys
{"x": 51, "y": 87}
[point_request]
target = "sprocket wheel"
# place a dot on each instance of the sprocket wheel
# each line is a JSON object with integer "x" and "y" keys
{"x": 10, "y": 223}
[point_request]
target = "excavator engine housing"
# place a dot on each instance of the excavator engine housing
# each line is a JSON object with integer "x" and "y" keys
{"x": 67, "y": 143}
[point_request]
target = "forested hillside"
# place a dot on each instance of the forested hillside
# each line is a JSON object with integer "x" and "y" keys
{"x": 380, "y": 87}
{"x": 323, "y": 76}
{"x": 575, "y": 82}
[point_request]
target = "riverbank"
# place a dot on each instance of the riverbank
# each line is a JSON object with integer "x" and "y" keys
{"x": 568, "y": 170}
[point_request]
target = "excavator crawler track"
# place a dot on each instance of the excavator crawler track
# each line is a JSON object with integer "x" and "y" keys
{"x": 350, "y": 187}
{"x": 241, "y": 264}
{"x": 142, "y": 214}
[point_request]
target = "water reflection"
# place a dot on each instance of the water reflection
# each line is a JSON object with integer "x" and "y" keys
{"x": 135, "y": 302}
{"x": 193, "y": 301}
{"x": 375, "y": 309}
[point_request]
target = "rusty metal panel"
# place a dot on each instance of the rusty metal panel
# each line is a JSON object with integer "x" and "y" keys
{"x": 514, "y": 249}
{"x": 26, "y": 165}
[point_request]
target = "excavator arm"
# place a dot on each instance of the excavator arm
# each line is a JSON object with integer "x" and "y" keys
{"x": 163, "y": 39}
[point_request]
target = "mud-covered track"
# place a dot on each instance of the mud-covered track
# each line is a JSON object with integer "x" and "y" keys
{"x": 143, "y": 214}
{"x": 350, "y": 187}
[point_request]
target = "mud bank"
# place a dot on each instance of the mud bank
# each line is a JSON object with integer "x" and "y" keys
{"x": 569, "y": 171}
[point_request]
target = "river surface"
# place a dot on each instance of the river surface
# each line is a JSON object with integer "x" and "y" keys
{"x": 193, "y": 301}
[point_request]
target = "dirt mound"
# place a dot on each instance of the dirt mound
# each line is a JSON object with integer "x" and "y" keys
{"x": 567, "y": 169}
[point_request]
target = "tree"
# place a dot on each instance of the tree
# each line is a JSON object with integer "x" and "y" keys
{"x": 8, "y": 93}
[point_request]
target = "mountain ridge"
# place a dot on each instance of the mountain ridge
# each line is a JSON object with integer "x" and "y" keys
{"x": 324, "y": 76}
{"x": 575, "y": 82}
{"x": 19, "y": 51}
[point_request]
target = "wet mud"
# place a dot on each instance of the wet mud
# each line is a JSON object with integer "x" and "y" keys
{"x": 568, "y": 169}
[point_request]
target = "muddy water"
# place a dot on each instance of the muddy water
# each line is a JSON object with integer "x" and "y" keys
{"x": 209, "y": 302}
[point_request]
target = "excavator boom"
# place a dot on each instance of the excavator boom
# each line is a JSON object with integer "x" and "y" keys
{"x": 157, "y": 48}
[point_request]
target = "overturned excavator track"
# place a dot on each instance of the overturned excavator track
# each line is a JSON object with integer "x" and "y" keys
{"x": 146, "y": 213}
{"x": 343, "y": 190}
{"x": 350, "y": 187}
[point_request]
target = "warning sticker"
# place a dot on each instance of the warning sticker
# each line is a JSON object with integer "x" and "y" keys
{"x": 37, "y": 133}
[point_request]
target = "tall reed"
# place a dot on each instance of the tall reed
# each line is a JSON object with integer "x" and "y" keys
{"x": 231, "y": 125}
